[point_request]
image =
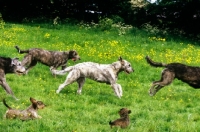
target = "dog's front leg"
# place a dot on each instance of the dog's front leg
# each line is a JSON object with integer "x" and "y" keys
{"x": 7, "y": 88}
{"x": 39, "y": 117}
{"x": 115, "y": 88}
{"x": 120, "y": 90}
{"x": 35, "y": 115}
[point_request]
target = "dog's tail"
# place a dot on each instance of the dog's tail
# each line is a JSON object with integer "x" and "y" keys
{"x": 21, "y": 51}
{"x": 111, "y": 124}
{"x": 4, "y": 102}
{"x": 155, "y": 64}
{"x": 61, "y": 72}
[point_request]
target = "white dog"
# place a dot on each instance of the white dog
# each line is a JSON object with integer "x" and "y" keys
{"x": 104, "y": 73}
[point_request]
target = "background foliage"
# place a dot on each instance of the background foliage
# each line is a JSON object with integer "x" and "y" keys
{"x": 180, "y": 16}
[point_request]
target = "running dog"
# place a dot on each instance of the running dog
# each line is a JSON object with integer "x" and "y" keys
{"x": 27, "y": 114}
{"x": 124, "y": 120}
{"x": 187, "y": 74}
{"x": 53, "y": 59}
{"x": 9, "y": 65}
{"x": 104, "y": 73}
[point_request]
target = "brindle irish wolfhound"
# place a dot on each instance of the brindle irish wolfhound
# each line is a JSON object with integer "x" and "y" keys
{"x": 187, "y": 74}
{"x": 53, "y": 59}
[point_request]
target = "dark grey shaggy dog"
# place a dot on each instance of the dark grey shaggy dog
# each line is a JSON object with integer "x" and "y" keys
{"x": 187, "y": 74}
{"x": 9, "y": 65}
{"x": 53, "y": 59}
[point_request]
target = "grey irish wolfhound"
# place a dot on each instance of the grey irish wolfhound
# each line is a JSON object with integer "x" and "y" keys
{"x": 104, "y": 73}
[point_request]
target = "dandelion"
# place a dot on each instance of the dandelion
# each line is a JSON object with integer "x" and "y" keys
{"x": 47, "y": 35}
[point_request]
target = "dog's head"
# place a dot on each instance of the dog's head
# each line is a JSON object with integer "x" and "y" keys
{"x": 37, "y": 104}
{"x": 74, "y": 55}
{"x": 123, "y": 112}
{"x": 16, "y": 67}
{"x": 126, "y": 66}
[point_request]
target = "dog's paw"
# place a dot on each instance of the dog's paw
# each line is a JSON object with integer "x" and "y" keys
{"x": 39, "y": 117}
{"x": 79, "y": 92}
{"x": 57, "y": 91}
{"x": 152, "y": 92}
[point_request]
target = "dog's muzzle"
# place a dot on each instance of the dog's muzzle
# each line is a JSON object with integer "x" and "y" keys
{"x": 128, "y": 71}
{"x": 20, "y": 70}
{"x": 75, "y": 59}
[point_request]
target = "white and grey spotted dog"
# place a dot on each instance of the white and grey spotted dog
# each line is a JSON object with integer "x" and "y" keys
{"x": 104, "y": 73}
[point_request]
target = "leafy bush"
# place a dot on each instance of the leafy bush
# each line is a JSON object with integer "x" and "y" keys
{"x": 154, "y": 30}
{"x": 122, "y": 28}
{"x": 2, "y": 23}
{"x": 105, "y": 24}
{"x": 117, "y": 19}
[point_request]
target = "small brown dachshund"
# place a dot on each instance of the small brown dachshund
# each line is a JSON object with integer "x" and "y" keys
{"x": 27, "y": 114}
{"x": 124, "y": 120}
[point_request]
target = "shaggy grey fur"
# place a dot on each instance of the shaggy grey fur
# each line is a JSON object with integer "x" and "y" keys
{"x": 104, "y": 73}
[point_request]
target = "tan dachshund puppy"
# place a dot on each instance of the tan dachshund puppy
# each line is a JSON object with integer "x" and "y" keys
{"x": 124, "y": 120}
{"x": 27, "y": 114}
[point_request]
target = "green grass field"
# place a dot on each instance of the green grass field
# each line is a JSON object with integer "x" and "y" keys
{"x": 173, "y": 109}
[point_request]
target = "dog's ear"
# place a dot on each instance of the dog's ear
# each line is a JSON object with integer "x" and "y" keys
{"x": 15, "y": 61}
{"x": 72, "y": 53}
{"x": 120, "y": 58}
{"x": 15, "y": 58}
{"x": 33, "y": 100}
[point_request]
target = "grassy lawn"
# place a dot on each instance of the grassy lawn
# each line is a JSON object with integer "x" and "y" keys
{"x": 173, "y": 109}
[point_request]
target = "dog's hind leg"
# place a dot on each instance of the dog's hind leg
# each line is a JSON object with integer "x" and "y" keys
{"x": 33, "y": 63}
{"x": 67, "y": 82}
{"x": 80, "y": 82}
{"x": 166, "y": 79}
{"x": 72, "y": 77}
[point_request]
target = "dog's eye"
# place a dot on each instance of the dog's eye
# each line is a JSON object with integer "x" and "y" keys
{"x": 39, "y": 103}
